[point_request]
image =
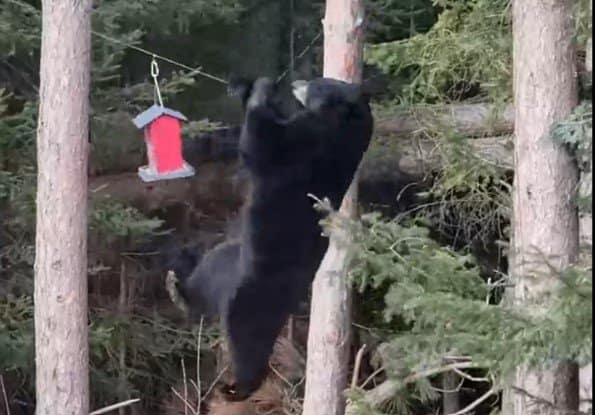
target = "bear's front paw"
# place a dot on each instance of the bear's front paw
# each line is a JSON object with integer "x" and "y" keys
{"x": 262, "y": 92}
{"x": 171, "y": 285}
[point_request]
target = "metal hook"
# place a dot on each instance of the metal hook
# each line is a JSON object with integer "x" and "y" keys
{"x": 154, "y": 68}
{"x": 155, "y": 74}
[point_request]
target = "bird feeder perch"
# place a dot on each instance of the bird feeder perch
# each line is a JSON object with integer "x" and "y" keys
{"x": 163, "y": 138}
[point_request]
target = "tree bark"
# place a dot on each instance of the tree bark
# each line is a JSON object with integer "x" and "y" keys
{"x": 451, "y": 400}
{"x": 545, "y": 220}
{"x": 329, "y": 334}
{"x": 61, "y": 340}
{"x": 589, "y": 56}
{"x": 586, "y": 241}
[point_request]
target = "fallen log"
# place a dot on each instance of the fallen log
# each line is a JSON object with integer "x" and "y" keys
{"x": 417, "y": 157}
{"x": 469, "y": 120}
{"x": 215, "y": 182}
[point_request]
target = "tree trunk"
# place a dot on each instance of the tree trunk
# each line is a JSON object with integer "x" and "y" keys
{"x": 586, "y": 240}
{"x": 589, "y": 57}
{"x": 330, "y": 315}
{"x": 61, "y": 341}
{"x": 545, "y": 220}
{"x": 451, "y": 400}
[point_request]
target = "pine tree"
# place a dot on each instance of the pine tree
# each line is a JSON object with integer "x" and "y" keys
{"x": 61, "y": 333}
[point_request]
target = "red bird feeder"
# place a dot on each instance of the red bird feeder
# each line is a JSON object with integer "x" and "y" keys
{"x": 163, "y": 137}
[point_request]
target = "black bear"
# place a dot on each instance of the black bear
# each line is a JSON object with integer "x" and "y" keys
{"x": 333, "y": 172}
{"x": 254, "y": 280}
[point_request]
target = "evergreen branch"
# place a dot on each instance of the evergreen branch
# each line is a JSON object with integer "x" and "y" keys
{"x": 389, "y": 388}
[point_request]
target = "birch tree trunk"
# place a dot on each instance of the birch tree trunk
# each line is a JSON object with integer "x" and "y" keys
{"x": 330, "y": 315}
{"x": 61, "y": 341}
{"x": 545, "y": 219}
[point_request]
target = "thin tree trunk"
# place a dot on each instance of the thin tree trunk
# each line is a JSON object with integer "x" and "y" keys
{"x": 586, "y": 240}
{"x": 122, "y": 309}
{"x": 589, "y": 57}
{"x": 451, "y": 401}
{"x": 330, "y": 315}
{"x": 61, "y": 341}
{"x": 545, "y": 220}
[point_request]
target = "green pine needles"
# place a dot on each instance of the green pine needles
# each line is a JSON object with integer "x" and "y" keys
{"x": 440, "y": 307}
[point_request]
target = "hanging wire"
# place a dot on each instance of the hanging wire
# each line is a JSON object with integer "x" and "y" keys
{"x": 192, "y": 71}
{"x": 300, "y": 55}
{"x": 154, "y": 56}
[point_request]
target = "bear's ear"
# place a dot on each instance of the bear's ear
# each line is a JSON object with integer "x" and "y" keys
{"x": 238, "y": 86}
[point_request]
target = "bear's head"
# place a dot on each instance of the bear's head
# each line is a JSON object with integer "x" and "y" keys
{"x": 320, "y": 93}
{"x": 255, "y": 92}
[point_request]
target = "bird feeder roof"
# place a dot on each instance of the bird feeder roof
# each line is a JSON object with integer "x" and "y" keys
{"x": 151, "y": 114}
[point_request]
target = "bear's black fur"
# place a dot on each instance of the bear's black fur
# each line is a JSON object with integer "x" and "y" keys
{"x": 254, "y": 280}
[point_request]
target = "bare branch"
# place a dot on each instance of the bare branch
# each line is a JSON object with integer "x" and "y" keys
{"x": 115, "y": 406}
{"x": 356, "y": 366}
{"x": 476, "y": 403}
{"x": 382, "y": 393}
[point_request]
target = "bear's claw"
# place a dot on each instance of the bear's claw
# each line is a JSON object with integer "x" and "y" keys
{"x": 231, "y": 394}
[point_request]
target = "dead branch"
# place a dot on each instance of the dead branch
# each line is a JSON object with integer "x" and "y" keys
{"x": 382, "y": 393}
{"x": 356, "y": 366}
{"x": 114, "y": 406}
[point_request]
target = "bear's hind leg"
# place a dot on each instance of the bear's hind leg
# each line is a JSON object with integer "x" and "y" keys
{"x": 253, "y": 323}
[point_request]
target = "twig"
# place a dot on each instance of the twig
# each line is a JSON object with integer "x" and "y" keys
{"x": 198, "y": 386}
{"x": 4, "y": 395}
{"x": 212, "y": 386}
{"x": 469, "y": 377}
{"x": 279, "y": 375}
{"x": 455, "y": 358}
{"x": 185, "y": 383}
{"x": 356, "y": 366}
{"x": 114, "y": 406}
{"x": 434, "y": 371}
{"x": 372, "y": 376}
{"x": 184, "y": 401}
